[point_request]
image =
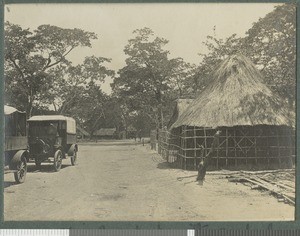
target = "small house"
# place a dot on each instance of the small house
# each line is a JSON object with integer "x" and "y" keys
{"x": 105, "y": 133}
{"x": 257, "y": 126}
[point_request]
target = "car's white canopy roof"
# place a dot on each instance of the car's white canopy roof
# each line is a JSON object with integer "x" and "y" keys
{"x": 71, "y": 123}
{"x": 49, "y": 117}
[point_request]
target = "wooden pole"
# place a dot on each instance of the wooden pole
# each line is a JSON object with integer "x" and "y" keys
{"x": 255, "y": 150}
{"x": 278, "y": 148}
{"x": 266, "y": 153}
{"x": 226, "y": 147}
{"x": 290, "y": 152}
{"x": 205, "y": 143}
{"x": 218, "y": 156}
{"x": 245, "y": 138}
{"x": 184, "y": 144}
{"x": 195, "y": 148}
{"x": 181, "y": 148}
{"x": 235, "y": 144}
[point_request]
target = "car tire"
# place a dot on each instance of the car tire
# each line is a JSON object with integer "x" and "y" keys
{"x": 21, "y": 170}
{"x": 57, "y": 160}
{"x": 74, "y": 158}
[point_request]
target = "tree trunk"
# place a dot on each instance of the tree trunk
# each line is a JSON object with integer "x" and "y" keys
{"x": 29, "y": 106}
{"x": 158, "y": 96}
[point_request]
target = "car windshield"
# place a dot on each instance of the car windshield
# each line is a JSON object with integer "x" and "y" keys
{"x": 43, "y": 128}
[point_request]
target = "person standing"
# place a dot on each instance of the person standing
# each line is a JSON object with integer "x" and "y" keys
{"x": 204, "y": 160}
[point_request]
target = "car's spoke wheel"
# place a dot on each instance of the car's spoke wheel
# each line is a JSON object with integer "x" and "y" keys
{"x": 74, "y": 158}
{"x": 57, "y": 160}
{"x": 21, "y": 172}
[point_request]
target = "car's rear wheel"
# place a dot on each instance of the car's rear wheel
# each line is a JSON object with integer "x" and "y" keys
{"x": 21, "y": 170}
{"x": 57, "y": 160}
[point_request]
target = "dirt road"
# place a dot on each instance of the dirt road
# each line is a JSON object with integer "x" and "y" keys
{"x": 127, "y": 182}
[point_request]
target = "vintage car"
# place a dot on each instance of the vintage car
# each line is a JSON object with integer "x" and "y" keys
{"x": 15, "y": 147}
{"x": 52, "y": 138}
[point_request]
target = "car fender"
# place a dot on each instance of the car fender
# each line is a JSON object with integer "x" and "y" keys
{"x": 74, "y": 147}
{"x": 17, "y": 158}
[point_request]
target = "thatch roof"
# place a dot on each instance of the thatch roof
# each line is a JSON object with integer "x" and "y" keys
{"x": 181, "y": 106}
{"x": 105, "y": 132}
{"x": 236, "y": 96}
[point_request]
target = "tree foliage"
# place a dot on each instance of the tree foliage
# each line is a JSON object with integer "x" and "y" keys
{"x": 271, "y": 45}
{"x": 218, "y": 50}
{"x": 85, "y": 77}
{"x": 38, "y": 73}
{"x": 32, "y": 59}
{"x": 149, "y": 76}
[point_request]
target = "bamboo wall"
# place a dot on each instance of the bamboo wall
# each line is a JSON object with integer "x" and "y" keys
{"x": 246, "y": 147}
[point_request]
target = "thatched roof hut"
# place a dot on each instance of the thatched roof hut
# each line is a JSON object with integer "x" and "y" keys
{"x": 181, "y": 106}
{"x": 236, "y": 96}
{"x": 105, "y": 133}
{"x": 256, "y": 124}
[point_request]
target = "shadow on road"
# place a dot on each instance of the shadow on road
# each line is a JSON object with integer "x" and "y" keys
{"x": 112, "y": 143}
{"x": 166, "y": 165}
{"x": 163, "y": 165}
{"x": 44, "y": 168}
{"x": 8, "y": 183}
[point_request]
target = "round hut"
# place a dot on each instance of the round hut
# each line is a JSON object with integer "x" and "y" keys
{"x": 257, "y": 127}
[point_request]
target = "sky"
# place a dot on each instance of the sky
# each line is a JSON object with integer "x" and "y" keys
{"x": 185, "y": 25}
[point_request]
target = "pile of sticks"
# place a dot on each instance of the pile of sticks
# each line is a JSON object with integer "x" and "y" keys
{"x": 280, "y": 183}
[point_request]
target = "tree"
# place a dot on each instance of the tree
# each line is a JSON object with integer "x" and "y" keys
{"x": 272, "y": 44}
{"x": 146, "y": 80}
{"x": 89, "y": 109}
{"x": 32, "y": 59}
{"x": 77, "y": 80}
{"x": 78, "y": 92}
{"x": 180, "y": 77}
{"x": 218, "y": 50}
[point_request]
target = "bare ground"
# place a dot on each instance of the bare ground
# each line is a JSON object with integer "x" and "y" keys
{"x": 122, "y": 181}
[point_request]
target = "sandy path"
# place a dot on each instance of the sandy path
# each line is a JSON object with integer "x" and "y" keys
{"x": 129, "y": 182}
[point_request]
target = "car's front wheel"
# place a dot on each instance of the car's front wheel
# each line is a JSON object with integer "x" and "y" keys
{"x": 57, "y": 160}
{"x": 74, "y": 158}
{"x": 21, "y": 170}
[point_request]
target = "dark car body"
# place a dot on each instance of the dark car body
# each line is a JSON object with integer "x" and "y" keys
{"x": 15, "y": 146}
{"x": 52, "y": 136}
